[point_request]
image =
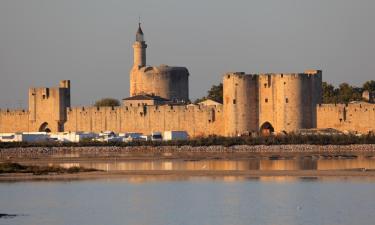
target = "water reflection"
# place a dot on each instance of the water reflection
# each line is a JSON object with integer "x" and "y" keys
{"x": 250, "y": 164}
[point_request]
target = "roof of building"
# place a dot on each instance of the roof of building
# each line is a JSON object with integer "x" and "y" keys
{"x": 146, "y": 97}
{"x": 209, "y": 102}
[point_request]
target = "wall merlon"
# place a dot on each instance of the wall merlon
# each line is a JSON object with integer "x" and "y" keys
{"x": 8, "y": 112}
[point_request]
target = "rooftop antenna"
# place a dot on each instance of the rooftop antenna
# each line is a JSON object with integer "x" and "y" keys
{"x": 139, "y": 21}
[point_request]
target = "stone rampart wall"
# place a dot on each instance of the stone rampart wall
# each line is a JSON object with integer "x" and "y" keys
{"x": 196, "y": 120}
{"x": 358, "y": 117}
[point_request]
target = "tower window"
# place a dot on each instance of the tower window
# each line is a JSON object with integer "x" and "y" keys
{"x": 234, "y": 101}
{"x": 286, "y": 100}
{"x": 266, "y": 100}
{"x": 265, "y": 85}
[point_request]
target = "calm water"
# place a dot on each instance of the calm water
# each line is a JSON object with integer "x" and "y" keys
{"x": 194, "y": 201}
{"x": 304, "y": 163}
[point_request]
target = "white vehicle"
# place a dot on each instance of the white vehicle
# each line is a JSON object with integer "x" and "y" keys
{"x": 73, "y": 136}
{"x": 25, "y": 137}
{"x": 156, "y": 136}
{"x": 175, "y": 135}
{"x": 146, "y": 137}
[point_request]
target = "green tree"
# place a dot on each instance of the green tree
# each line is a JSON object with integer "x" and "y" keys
{"x": 215, "y": 94}
{"x": 369, "y": 86}
{"x": 329, "y": 93}
{"x": 348, "y": 93}
{"x": 107, "y": 102}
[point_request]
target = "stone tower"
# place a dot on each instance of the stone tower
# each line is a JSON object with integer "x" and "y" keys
{"x": 47, "y": 107}
{"x": 240, "y": 103}
{"x": 139, "y": 47}
{"x": 165, "y": 81}
{"x": 274, "y": 102}
{"x": 139, "y": 61}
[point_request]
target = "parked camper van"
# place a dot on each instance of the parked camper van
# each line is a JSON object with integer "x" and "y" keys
{"x": 175, "y": 135}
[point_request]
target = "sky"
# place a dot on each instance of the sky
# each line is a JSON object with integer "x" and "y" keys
{"x": 89, "y": 42}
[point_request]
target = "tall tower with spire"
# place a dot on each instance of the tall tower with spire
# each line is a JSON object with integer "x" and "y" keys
{"x": 164, "y": 81}
{"x": 139, "y": 47}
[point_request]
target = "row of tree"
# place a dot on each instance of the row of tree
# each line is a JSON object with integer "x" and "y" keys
{"x": 345, "y": 93}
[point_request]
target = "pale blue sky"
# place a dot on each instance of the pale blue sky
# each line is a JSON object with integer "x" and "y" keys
{"x": 89, "y": 42}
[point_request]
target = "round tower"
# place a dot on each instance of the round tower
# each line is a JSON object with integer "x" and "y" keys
{"x": 165, "y": 81}
{"x": 240, "y": 103}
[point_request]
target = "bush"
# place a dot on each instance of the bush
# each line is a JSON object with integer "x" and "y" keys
{"x": 217, "y": 140}
{"x": 107, "y": 102}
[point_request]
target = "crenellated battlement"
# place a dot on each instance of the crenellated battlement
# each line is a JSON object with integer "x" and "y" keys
{"x": 9, "y": 112}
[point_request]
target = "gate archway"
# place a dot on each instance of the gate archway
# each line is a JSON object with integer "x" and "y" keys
{"x": 44, "y": 128}
{"x": 267, "y": 129}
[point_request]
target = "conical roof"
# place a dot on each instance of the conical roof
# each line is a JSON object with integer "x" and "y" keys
{"x": 139, "y": 35}
{"x": 139, "y": 31}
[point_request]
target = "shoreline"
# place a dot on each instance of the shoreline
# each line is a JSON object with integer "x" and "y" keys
{"x": 170, "y": 174}
{"x": 42, "y": 155}
{"x": 184, "y": 152}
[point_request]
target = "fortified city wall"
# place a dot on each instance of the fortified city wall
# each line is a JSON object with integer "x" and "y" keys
{"x": 196, "y": 120}
{"x": 358, "y": 117}
{"x": 252, "y": 103}
{"x": 47, "y": 111}
{"x": 14, "y": 121}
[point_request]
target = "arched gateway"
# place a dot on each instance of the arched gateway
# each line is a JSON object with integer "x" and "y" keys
{"x": 267, "y": 129}
{"x": 44, "y": 128}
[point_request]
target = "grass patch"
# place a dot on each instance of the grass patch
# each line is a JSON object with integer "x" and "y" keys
{"x": 40, "y": 170}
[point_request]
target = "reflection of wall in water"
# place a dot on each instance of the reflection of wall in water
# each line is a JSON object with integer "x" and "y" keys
{"x": 334, "y": 164}
{"x": 252, "y": 164}
{"x": 292, "y": 164}
{"x": 169, "y": 165}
